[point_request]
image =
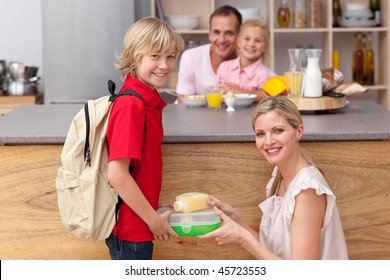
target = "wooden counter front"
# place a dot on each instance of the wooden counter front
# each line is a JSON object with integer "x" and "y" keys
{"x": 30, "y": 226}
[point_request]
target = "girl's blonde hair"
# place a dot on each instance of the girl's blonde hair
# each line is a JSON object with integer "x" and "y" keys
{"x": 289, "y": 111}
{"x": 260, "y": 24}
{"x": 148, "y": 35}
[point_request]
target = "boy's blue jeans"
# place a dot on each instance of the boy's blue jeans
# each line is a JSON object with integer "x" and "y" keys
{"x": 124, "y": 250}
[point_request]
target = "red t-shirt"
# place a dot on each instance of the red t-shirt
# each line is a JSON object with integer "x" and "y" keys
{"x": 129, "y": 137}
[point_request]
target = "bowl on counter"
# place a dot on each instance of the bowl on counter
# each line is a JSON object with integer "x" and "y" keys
{"x": 184, "y": 21}
{"x": 194, "y": 100}
{"x": 243, "y": 99}
{"x": 249, "y": 13}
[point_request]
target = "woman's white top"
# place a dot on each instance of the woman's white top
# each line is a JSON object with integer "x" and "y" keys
{"x": 275, "y": 226}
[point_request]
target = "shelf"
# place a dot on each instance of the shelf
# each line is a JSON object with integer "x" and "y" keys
{"x": 192, "y": 31}
{"x": 300, "y": 30}
{"x": 359, "y": 29}
{"x": 376, "y": 87}
{"x": 21, "y": 99}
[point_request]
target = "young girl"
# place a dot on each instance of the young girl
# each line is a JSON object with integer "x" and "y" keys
{"x": 247, "y": 73}
{"x": 300, "y": 217}
{"x": 134, "y": 137}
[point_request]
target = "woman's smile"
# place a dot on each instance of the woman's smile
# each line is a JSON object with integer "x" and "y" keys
{"x": 272, "y": 151}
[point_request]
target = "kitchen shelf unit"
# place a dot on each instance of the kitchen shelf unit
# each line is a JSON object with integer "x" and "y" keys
{"x": 327, "y": 37}
{"x": 203, "y": 8}
{"x": 330, "y": 38}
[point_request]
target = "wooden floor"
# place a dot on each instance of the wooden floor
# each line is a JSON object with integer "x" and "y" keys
{"x": 358, "y": 173}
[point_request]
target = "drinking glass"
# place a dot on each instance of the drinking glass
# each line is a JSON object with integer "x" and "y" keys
{"x": 214, "y": 97}
{"x": 295, "y": 74}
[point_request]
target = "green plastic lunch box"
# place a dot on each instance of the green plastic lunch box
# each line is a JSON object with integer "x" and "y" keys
{"x": 193, "y": 224}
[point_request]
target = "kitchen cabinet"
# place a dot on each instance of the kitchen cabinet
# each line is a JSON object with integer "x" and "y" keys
{"x": 203, "y": 8}
{"x": 330, "y": 38}
{"x": 326, "y": 37}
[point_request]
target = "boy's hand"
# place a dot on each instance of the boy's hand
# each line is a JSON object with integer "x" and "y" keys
{"x": 161, "y": 228}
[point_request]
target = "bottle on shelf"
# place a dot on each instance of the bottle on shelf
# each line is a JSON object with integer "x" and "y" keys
{"x": 300, "y": 14}
{"x": 369, "y": 61}
{"x": 358, "y": 60}
{"x": 284, "y": 15}
{"x": 336, "y": 13}
{"x": 375, "y": 7}
{"x": 336, "y": 60}
{"x": 316, "y": 13}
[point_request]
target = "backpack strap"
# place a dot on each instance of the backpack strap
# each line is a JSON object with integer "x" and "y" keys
{"x": 113, "y": 96}
{"x": 128, "y": 92}
{"x": 87, "y": 150}
{"x": 111, "y": 89}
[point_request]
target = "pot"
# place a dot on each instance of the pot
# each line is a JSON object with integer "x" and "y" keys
{"x": 22, "y": 88}
{"x": 21, "y": 72}
{"x": 3, "y": 69}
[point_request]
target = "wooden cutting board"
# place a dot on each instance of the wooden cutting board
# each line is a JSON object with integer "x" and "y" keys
{"x": 323, "y": 103}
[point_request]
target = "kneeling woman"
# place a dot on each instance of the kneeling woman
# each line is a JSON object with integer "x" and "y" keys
{"x": 300, "y": 217}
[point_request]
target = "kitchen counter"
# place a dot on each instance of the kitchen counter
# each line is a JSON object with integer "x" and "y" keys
{"x": 203, "y": 151}
{"x": 48, "y": 124}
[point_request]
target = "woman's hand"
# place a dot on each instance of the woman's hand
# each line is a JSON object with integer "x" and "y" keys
{"x": 225, "y": 207}
{"x": 229, "y": 233}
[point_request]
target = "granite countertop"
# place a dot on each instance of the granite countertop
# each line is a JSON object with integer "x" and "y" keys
{"x": 48, "y": 124}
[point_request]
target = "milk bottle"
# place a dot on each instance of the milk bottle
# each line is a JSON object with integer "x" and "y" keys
{"x": 313, "y": 75}
{"x": 191, "y": 202}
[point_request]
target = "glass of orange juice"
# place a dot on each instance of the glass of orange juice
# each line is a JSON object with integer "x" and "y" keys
{"x": 214, "y": 97}
{"x": 294, "y": 83}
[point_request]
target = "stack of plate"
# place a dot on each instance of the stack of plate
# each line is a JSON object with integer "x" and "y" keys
{"x": 357, "y": 15}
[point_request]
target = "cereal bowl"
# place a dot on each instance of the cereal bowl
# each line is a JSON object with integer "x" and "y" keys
{"x": 194, "y": 100}
{"x": 244, "y": 99}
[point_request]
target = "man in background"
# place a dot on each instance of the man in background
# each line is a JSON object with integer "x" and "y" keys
{"x": 198, "y": 66}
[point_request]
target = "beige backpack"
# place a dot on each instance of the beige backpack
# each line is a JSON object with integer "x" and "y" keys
{"x": 87, "y": 203}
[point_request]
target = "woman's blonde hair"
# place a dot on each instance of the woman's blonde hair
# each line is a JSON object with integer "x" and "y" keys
{"x": 145, "y": 36}
{"x": 285, "y": 107}
{"x": 256, "y": 23}
{"x": 289, "y": 111}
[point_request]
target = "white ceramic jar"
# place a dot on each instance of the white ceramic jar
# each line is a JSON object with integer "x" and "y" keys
{"x": 313, "y": 75}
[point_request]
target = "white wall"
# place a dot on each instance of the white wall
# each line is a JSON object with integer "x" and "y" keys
{"x": 21, "y": 32}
